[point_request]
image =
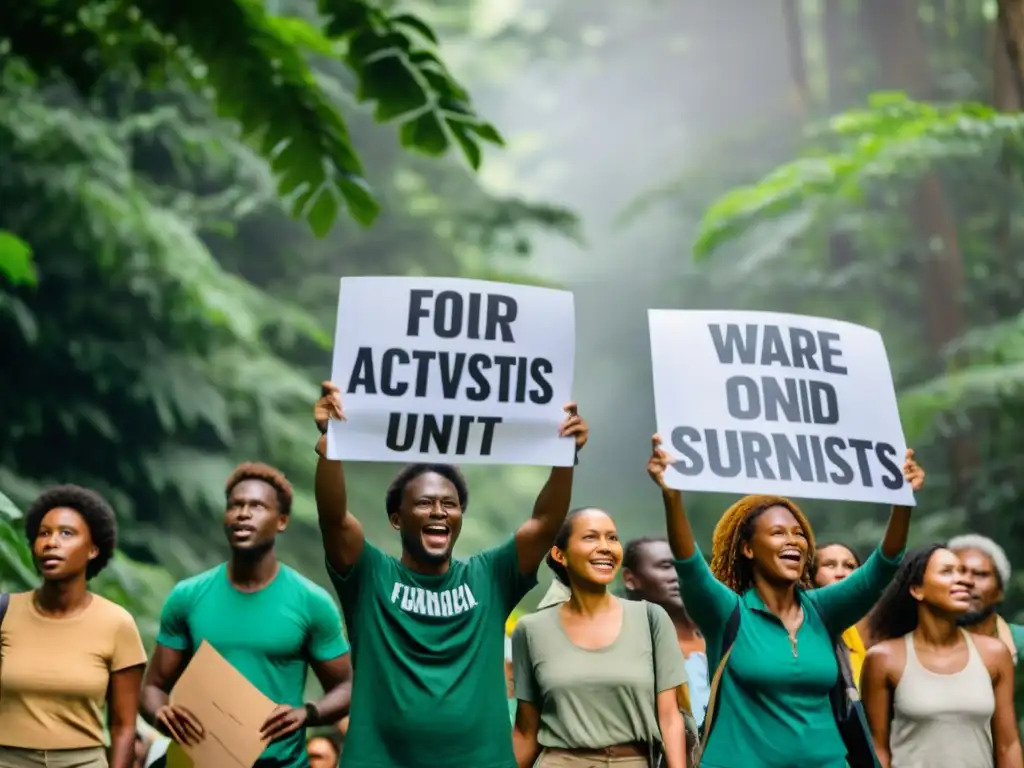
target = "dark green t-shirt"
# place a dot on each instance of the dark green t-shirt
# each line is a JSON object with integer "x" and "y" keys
{"x": 428, "y": 655}
{"x": 270, "y": 636}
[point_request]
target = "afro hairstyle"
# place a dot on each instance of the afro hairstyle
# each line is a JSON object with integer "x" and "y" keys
{"x": 94, "y": 509}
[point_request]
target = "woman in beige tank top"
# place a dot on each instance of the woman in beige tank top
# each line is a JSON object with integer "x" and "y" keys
{"x": 936, "y": 696}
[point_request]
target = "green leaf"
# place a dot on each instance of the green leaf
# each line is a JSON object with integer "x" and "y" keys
{"x": 362, "y": 205}
{"x": 390, "y": 82}
{"x": 323, "y": 211}
{"x": 8, "y": 508}
{"x": 16, "y": 567}
{"x": 261, "y": 79}
{"x": 16, "y": 260}
{"x": 469, "y": 147}
{"x": 489, "y": 133}
{"x": 302, "y": 34}
{"x": 868, "y": 150}
{"x": 346, "y": 17}
{"x": 410, "y": 21}
{"x": 425, "y": 134}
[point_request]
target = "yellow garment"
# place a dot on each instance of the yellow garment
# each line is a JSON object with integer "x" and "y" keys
{"x": 683, "y": 699}
{"x": 857, "y": 652}
{"x": 510, "y": 623}
{"x": 55, "y": 673}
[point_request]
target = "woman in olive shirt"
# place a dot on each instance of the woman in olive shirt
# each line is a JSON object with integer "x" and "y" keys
{"x": 68, "y": 654}
{"x": 773, "y": 699}
{"x": 596, "y": 676}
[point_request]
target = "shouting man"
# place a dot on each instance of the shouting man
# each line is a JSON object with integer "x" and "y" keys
{"x": 428, "y": 631}
{"x": 268, "y": 621}
{"x": 989, "y": 568}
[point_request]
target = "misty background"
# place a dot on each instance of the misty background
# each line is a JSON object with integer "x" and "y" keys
{"x": 169, "y": 275}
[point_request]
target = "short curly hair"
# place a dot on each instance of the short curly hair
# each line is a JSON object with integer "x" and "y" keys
{"x": 737, "y": 527}
{"x": 94, "y": 509}
{"x": 275, "y": 478}
{"x": 408, "y": 473}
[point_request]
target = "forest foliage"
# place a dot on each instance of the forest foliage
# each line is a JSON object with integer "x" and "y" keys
{"x": 899, "y": 207}
{"x": 179, "y": 205}
{"x": 165, "y": 315}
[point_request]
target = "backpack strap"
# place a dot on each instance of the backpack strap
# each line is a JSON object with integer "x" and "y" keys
{"x": 654, "y": 752}
{"x": 732, "y": 628}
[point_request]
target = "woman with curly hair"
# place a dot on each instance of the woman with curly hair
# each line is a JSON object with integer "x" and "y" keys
{"x": 832, "y": 563}
{"x": 934, "y": 693}
{"x": 772, "y": 707}
{"x": 68, "y": 653}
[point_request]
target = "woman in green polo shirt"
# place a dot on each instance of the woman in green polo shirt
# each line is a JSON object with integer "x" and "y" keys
{"x": 773, "y": 699}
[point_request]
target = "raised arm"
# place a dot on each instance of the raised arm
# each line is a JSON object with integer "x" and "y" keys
{"x": 535, "y": 537}
{"x": 895, "y": 539}
{"x": 680, "y": 535}
{"x": 342, "y": 534}
{"x": 708, "y": 601}
{"x": 846, "y": 602}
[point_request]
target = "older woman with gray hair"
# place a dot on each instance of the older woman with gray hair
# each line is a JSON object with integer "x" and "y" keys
{"x": 989, "y": 568}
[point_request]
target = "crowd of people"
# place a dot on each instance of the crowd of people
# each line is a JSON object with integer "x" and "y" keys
{"x": 773, "y": 652}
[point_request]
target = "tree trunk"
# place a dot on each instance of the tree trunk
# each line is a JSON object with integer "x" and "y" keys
{"x": 894, "y": 27}
{"x": 1007, "y": 96}
{"x": 834, "y": 34}
{"x": 797, "y": 59}
{"x": 1011, "y": 28}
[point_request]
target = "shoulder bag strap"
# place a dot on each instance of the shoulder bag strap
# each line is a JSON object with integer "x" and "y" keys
{"x": 654, "y": 753}
{"x": 731, "y": 631}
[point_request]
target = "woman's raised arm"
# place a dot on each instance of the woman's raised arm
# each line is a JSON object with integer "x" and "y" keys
{"x": 895, "y": 539}
{"x": 680, "y": 535}
{"x": 708, "y": 601}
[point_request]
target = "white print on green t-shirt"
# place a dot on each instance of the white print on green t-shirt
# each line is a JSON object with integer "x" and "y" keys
{"x": 425, "y": 602}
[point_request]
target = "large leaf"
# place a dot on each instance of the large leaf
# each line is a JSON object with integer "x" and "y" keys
{"x": 893, "y": 139}
{"x": 254, "y": 66}
{"x": 16, "y": 260}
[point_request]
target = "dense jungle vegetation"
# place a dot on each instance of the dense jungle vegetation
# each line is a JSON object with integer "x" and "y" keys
{"x": 182, "y": 186}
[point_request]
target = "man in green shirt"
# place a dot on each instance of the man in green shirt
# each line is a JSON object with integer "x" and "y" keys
{"x": 265, "y": 619}
{"x": 990, "y": 570}
{"x": 428, "y": 631}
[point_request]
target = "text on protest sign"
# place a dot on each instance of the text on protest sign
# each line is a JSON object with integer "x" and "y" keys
{"x": 449, "y": 369}
{"x": 759, "y": 402}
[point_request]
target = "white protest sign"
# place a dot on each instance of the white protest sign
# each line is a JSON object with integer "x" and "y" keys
{"x": 760, "y": 402}
{"x": 454, "y": 370}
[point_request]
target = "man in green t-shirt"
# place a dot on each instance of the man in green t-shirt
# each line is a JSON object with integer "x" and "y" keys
{"x": 265, "y": 619}
{"x": 428, "y": 631}
{"x": 990, "y": 571}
